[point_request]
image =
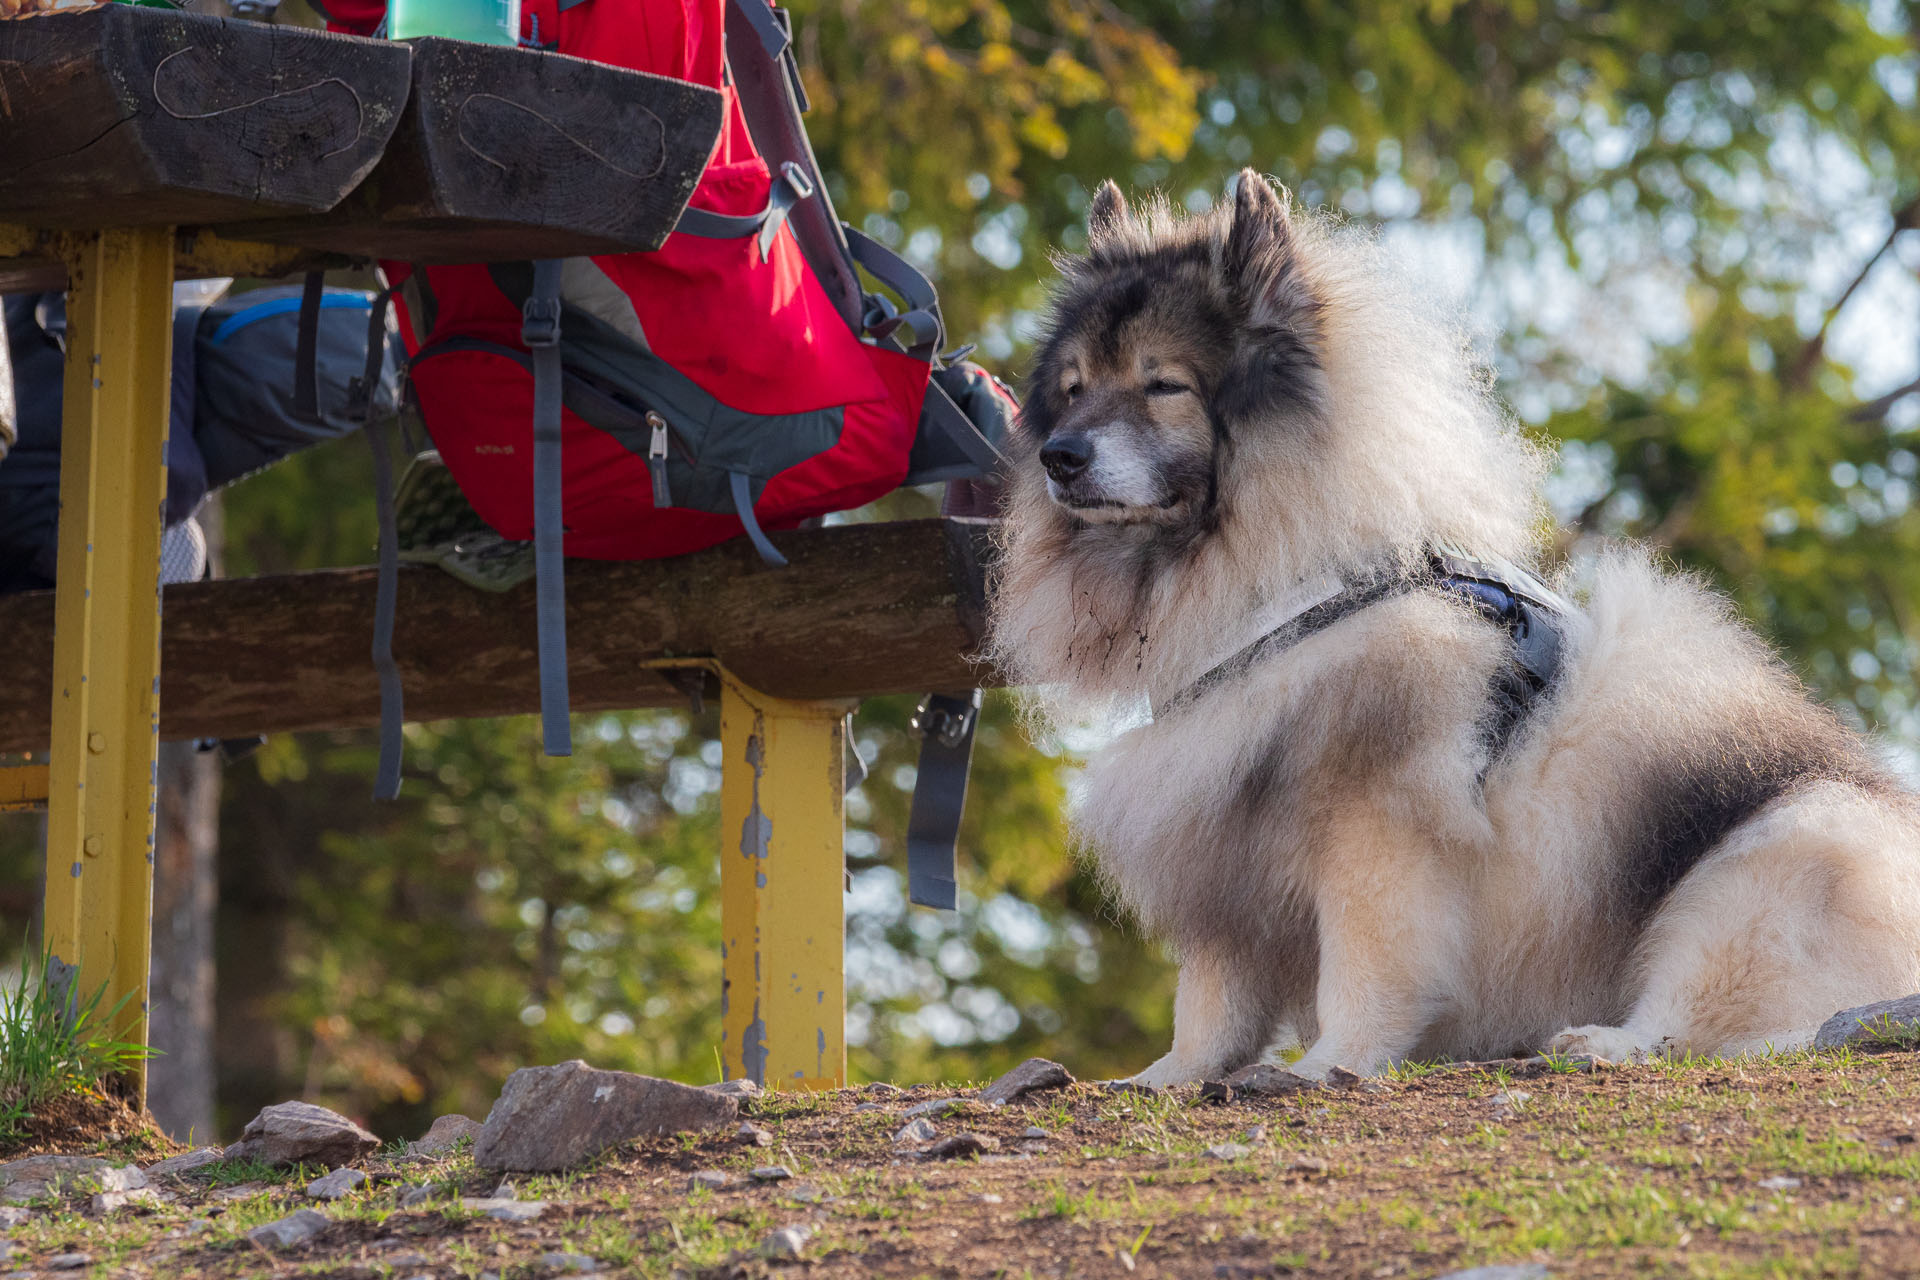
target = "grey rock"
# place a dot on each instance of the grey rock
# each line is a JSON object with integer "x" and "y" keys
{"x": 443, "y": 1135}
{"x": 176, "y": 1166}
{"x": 786, "y": 1242}
{"x": 506, "y": 1191}
{"x": 752, "y": 1135}
{"x": 934, "y": 1107}
{"x": 1268, "y": 1081}
{"x": 106, "y": 1202}
{"x": 37, "y": 1176}
{"x": 1230, "y": 1151}
{"x": 12, "y": 1216}
{"x": 298, "y": 1226}
{"x": 550, "y": 1118}
{"x": 1034, "y": 1131}
{"x": 1341, "y": 1078}
{"x": 1032, "y": 1076}
{"x": 1779, "y": 1182}
{"x": 336, "y": 1185}
{"x": 1257, "y": 1134}
{"x": 504, "y": 1210}
{"x": 771, "y": 1173}
{"x": 805, "y": 1193}
{"x": 1131, "y": 1086}
{"x": 916, "y": 1131}
{"x": 68, "y": 1261}
{"x": 739, "y": 1089}
{"x": 882, "y": 1087}
{"x": 414, "y": 1197}
{"x": 961, "y": 1145}
{"x": 1888, "y": 1022}
{"x": 244, "y": 1191}
{"x": 568, "y": 1262}
{"x": 9, "y": 1251}
{"x": 123, "y": 1178}
{"x": 711, "y": 1179}
{"x": 290, "y": 1133}
{"x": 1508, "y": 1271}
{"x": 1307, "y": 1164}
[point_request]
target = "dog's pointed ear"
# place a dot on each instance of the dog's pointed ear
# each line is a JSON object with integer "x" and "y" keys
{"x": 1259, "y": 256}
{"x": 1107, "y": 214}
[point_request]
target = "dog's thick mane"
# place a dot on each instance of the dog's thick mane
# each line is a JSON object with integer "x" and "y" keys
{"x": 1399, "y": 445}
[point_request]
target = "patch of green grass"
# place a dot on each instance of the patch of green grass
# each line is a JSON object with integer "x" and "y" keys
{"x": 55, "y": 1043}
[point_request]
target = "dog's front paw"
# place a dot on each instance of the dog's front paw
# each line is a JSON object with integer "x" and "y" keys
{"x": 1615, "y": 1044}
{"x": 1164, "y": 1074}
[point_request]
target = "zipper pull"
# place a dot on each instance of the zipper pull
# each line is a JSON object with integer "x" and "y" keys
{"x": 657, "y": 460}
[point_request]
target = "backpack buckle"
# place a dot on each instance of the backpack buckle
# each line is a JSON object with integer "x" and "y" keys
{"x": 540, "y": 322}
{"x": 796, "y": 177}
{"x": 946, "y": 720}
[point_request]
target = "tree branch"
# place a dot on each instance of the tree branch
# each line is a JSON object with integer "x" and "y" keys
{"x": 1904, "y": 219}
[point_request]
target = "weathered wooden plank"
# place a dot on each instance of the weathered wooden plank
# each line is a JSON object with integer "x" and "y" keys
{"x": 131, "y": 116}
{"x": 512, "y": 153}
{"x": 862, "y": 609}
{"x": 34, "y": 261}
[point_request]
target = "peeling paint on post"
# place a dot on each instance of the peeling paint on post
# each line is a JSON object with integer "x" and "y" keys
{"x": 782, "y": 905}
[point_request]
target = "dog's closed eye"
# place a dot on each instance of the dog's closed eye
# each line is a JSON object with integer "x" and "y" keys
{"x": 1167, "y": 387}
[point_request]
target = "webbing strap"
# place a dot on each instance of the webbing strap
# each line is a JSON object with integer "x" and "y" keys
{"x": 946, "y": 723}
{"x": 915, "y": 290}
{"x": 948, "y": 418}
{"x": 540, "y": 330}
{"x": 743, "y": 506}
{"x": 790, "y": 188}
{"x": 386, "y": 783}
{"x": 306, "y": 355}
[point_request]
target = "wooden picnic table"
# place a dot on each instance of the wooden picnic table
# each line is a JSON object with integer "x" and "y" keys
{"x": 139, "y": 145}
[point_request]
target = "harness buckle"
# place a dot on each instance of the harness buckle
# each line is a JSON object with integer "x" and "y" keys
{"x": 796, "y": 177}
{"x": 540, "y": 322}
{"x": 945, "y": 720}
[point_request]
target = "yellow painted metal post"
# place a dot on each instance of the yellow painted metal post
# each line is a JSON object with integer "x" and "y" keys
{"x": 106, "y": 661}
{"x": 782, "y": 880}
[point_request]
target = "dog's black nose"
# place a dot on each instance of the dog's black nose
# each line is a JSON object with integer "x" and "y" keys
{"x": 1065, "y": 457}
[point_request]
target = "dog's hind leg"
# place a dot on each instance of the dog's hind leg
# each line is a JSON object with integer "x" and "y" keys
{"x": 1390, "y": 938}
{"x": 1224, "y": 1015}
{"x": 1809, "y": 909}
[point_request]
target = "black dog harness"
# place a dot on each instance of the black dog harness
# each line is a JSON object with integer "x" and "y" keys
{"x": 1531, "y": 613}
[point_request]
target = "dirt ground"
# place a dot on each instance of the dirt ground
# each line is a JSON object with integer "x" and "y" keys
{"x": 1801, "y": 1166}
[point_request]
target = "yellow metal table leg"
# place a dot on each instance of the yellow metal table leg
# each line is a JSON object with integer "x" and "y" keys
{"x": 782, "y": 877}
{"x": 106, "y": 663}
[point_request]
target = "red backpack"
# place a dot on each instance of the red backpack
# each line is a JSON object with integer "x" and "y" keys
{"x": 736, "y": 380}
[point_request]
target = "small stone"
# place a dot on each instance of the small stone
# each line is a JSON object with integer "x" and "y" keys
{"x": 961, "y": 1145}
{"x": 290, "y": 1133}
{"x": 1035, "y": 1075}
{"x": 1884, "y": 1024}
{"x": 1230, "y": 1151}
{"x": 242, "y": 1191}
{"x": 990, "y": 1197}
{"x": 742, "y": 1089}
{"x": 68, "y": 1261}
{"x": 1124, "y": 1258}
{"x": 881, "y": 1087}
{"x": 1510, "y": 1100}
{"x": 1341, "y": 1078}
{"x": 443, "y": 1135}
{"x": 414, "y": 1197}
{"x": 506, "y": 1191}
{"x": 107, "y": 1202}
{"x": 298, "y": 1226}
{"x": 1779, "y": 1182}
{"x": 1130, "y": 1086}
{"x": 1508, "y": 1271}
{"x": 1307, "y": 1164}
{"x": 1257, "y": 1134}
{"x": 752, "y": 1135}
{"x": 177, "y": 1166}
{"x": 551, "y": 1118}
{"x": 934, "y": 1107}
{"x": 9, "y": 1251}
{"x": 787, "y": 1242}
{"x": 1215, "y": 1091}
{"x": 124, "y": 1178}
{"x": 568, "y": 1262}
{"x": 805, "y": 1193}
{"x": 711, "y": 1179}
{"x": 336, "y": 1185}
{"x": 11, "y": 1216}
{"x": 1265, "y": 1080}
{"x": 916, "y": 1131}
{"x": 504, "y": 1210}
{"x": 771, "y": 1173}
{"x": 870, "y": 1106}
{"x": 1034, "y": 1131}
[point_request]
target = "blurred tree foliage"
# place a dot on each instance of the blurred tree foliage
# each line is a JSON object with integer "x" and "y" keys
{"x": 1662, "y": 202}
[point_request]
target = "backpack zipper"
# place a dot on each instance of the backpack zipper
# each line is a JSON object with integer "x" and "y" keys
{"x": 657, "y": 460}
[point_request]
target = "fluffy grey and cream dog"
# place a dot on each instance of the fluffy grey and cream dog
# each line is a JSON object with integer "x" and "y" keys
{"x": 1356, "y": 839}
